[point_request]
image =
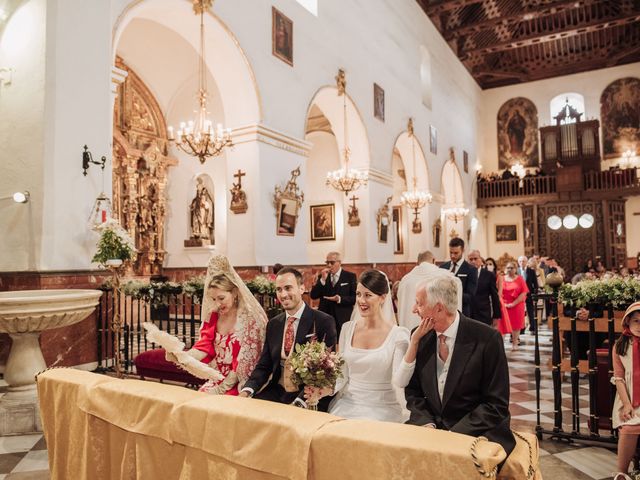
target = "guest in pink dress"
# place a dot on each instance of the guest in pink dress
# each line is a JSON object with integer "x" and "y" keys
{"x": 514, "y": 294}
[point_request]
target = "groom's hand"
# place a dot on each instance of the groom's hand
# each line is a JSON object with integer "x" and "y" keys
{"x": 244, "y": 394}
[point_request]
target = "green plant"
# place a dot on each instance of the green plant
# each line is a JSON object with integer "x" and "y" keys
{"x": 115, "y": 243}
{"x": 616, "y": 292}
{"x": 261, "y": 285}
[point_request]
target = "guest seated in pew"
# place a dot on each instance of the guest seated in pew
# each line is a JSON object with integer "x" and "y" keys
{"x": 298, "y": 324}
{"x": 460, "y": 377}
{"x": 231, "y": 333}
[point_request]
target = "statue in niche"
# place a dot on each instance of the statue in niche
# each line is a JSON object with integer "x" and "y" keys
{"x": 201, "y": 217}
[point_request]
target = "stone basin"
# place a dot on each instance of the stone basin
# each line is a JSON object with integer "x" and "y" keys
{"x": 23, "y": 315}
{"x": 37, "y": 310}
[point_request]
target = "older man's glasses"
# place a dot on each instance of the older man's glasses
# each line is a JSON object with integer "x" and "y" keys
{"x": 330, "y": 262}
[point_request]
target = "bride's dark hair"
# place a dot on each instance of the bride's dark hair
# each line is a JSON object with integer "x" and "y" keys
{"x": 375, "y": 281}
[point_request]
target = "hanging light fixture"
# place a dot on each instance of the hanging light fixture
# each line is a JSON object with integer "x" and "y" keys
{"x": 455, "y": 211}
{"x": 346, "y": 179}
{"x": 414, "y": 198}
{"x": 199, "y": 138}
{"x": 101, "y": 212}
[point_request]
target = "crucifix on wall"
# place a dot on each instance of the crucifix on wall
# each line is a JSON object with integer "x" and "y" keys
{"x": 238, "y": 196}
{"x": 354, "y": 217}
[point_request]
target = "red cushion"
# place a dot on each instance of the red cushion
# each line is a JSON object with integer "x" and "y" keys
{"x": 152, "y": 364}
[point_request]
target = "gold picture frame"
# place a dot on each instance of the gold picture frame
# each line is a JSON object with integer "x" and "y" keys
{"x": 281, "y": 36}
{"x": 506, "y": 233}
{"x": 323, "y": 222}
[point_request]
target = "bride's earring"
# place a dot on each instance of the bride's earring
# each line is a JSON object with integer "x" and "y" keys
{"x": 236, "y": 301}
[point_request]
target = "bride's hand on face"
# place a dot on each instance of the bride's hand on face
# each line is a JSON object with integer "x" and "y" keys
{"x": 425, "y": 326}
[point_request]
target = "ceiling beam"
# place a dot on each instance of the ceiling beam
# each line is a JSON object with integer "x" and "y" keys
{"x": 437, "y": 7}
{"x": 558, "y": 34}
{"x": 523, "y": 16}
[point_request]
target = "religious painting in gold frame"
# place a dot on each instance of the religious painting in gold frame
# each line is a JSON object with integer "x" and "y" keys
{"x": 323, "y": 222}
{"x": 378, "y": 102}
{"x": 507, "y": 233}
{"x": 396, "y": 222}
{"x": 281, "y": 36}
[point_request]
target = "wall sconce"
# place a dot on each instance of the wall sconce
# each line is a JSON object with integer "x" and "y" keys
{"x": 87, "y": 159}
{"x": 18, "y": 197}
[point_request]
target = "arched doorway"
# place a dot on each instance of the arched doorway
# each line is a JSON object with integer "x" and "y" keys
{"x": 453, "y": 207}
{"x": 325, "y": 129}
{"x": 168, "y": 68}
{"x": 409, "y": 162}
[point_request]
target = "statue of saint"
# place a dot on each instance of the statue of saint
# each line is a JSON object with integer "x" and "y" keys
{"x": 201, "y": 213}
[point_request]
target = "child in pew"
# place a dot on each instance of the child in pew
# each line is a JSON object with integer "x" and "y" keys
{"x": 626, "y": 378}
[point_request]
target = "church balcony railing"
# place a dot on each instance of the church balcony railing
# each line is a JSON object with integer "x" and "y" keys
{"x": 613, "y": 183}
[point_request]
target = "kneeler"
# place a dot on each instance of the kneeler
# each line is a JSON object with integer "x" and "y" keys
{"x": 152, "y": 364}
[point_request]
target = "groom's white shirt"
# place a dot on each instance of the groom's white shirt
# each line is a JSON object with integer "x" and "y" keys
{"x": 409, "y": 285}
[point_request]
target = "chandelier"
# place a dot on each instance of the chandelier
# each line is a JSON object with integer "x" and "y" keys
{"x": 198, "y": 137}
{"x": 455, "y": 214}
{"x": 346, "y": 179}
{"x": 415, "y": 199}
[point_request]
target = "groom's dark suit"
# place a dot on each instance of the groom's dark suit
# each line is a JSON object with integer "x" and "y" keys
{"x": 475, "y": 399}
{"x": 269, "y": 363}
{"x": 468, "y": 275}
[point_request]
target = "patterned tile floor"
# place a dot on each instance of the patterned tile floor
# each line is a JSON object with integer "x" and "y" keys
{"x": 25, "y": 457}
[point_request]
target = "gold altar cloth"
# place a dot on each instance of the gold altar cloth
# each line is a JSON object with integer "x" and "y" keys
{"x": 99, "y": 427}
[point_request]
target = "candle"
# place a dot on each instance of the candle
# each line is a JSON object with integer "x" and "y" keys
{"x": 104, "y": 216}
{"x": 170, "y": 130}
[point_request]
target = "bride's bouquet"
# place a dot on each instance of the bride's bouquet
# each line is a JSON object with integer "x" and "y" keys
{"x": 316, "y": 366}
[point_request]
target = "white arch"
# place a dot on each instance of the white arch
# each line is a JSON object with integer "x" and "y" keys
{"x": 405, "y": 148}
{"x": 331, "y": 105}
{"x": 236, "y": 82}
{"x": 451, "y": 184}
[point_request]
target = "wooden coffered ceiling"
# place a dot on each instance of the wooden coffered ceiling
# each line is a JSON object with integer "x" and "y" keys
{"x": 504, "y": 42}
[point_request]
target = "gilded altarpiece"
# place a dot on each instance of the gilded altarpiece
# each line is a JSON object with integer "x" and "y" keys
{"x": 140, "y": 169}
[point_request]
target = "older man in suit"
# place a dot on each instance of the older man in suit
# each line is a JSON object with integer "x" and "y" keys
{"x": 460, "y": 380}
{"x": 425, "y": 269}
{"x": 485, "y": 304}
{"x": 298, "y": 324}
{"x": 467, "y": 273}
{"x": 336, "y": 290}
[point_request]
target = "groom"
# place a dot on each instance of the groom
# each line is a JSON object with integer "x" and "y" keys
{"x": 461, "y": 378}
{"x": 298, "y": 324}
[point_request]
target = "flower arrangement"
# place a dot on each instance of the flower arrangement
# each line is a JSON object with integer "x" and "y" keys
{"x": 315, "y": 365}
{"x": 115, "y": 243}
{"x": 261, "y": 285}
{"x": 617, "y": 292}
{"x": 194, "y": 287}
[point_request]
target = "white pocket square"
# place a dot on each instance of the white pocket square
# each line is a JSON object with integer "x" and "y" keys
{"x": 462, "y": 275}
{"x": 343, "y": 284}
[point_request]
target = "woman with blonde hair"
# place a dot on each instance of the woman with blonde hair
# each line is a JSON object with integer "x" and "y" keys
{"x": 232, "y": 331}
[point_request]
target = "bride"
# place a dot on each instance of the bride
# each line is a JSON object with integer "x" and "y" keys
{"x": 372, "y": 346}
{"x": 232, "y": 333}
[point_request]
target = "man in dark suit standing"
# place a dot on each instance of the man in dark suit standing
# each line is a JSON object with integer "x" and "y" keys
{"x": 298, "y": 324}
{"x": 467, "y": 273}
{"x": 485, "y": 304}
{"x": 461, "y": 378}
{"x": 531, "y": 279}
{"x": 336, "y": 289}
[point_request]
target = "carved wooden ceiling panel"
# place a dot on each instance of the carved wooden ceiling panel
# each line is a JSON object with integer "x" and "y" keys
{"x": 504, "y": 42}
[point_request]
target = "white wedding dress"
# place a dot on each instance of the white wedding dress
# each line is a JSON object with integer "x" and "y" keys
{"x": 366, "y": 391}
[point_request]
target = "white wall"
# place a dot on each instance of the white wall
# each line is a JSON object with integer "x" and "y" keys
{"x": 503, "y": 216}
{"x": 22, "y": 48}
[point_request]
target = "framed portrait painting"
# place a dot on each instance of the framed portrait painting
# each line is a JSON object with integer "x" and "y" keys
{"x": 323, "y": 222}
{"x": 281, "y": 36}
{"x": 433, "y": 140}
{"x": 378, "y": 102}
{"x": 507, "y": 233}
{"x": 465, "y": 161}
